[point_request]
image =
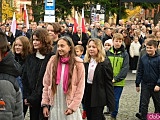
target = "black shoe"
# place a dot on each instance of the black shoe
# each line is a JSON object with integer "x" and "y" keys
{"x": 138, "y": 115}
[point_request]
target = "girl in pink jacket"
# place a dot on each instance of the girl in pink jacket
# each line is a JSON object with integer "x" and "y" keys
{"x": 63, "y": 82}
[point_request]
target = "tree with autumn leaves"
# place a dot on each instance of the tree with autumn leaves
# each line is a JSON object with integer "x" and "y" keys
{"x": 8, "y": 8}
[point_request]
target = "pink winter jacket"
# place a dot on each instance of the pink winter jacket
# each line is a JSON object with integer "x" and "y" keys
{"x": 73, "y": 96}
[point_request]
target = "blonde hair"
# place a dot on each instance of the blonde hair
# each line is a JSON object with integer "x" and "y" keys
{"x": 118, "y": 36}
{"x": 80, "y": 47}
{"x": 101, "y": 52}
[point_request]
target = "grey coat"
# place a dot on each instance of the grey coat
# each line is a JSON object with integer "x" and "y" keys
{"x": 9, "y": 89}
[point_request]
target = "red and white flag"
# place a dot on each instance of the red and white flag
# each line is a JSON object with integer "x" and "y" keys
{"x": 13, "y": 25}
{"x": 75, "y": 22}
{"x": 26, "y": 22}
{"x": 83, "y": 21}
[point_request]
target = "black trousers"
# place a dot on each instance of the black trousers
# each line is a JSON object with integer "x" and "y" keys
{"x": 36, "y": 112}
{"x": 93, "y": 113}
{"x": 146, "y": 93}
{"x": 134, "y": 62}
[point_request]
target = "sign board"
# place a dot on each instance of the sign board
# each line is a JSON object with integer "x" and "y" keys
{"x": 49, "y": 7}
{"x": 97, "y": 13}
{"x": 49, "y": 18}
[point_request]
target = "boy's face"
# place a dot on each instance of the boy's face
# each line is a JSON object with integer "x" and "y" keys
{"x": 117, "y": 43}
{"x": 79, "y": 52}
{"x": 150, "y": 50}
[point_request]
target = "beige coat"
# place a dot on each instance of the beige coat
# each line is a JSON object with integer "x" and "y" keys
{"x": 73, "y": 96}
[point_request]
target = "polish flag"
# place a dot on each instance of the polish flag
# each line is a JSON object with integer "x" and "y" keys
{"x": 26, "y": 22}
{"x": 75, "y": 22}
{"x": 13, "y": 25}
{"x": 83, "y": 22}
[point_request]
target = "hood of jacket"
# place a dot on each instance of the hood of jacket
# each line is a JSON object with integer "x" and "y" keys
{"x": 10, "y": 66}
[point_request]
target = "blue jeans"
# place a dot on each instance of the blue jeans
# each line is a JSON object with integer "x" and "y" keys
{"x": 117, "y": 94}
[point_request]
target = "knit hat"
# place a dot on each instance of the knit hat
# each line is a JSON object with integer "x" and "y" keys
{"x": 109, "y": 41}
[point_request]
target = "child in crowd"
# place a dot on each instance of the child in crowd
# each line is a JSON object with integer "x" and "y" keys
{"x": 108, "y": 44}
{"x": 134, "y": 53}
{"x": 33, "y": 72}
{"x": 120, "y": 62}
{"x": 148, "y": 75}
{"x": 143, "y": 52}
{"x": 98, "y": 81}
{"x": 79, "y": 49}
{"x": 63, "y": 83}
{"x": 21, "y": 48}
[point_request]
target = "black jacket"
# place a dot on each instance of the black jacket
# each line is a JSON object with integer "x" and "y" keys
{"x": 84, "y": 40}
{"x": 32, "y": 77}
{"x": 102, "y": 93}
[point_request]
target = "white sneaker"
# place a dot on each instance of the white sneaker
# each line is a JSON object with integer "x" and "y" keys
{"x": 134, "y": 71}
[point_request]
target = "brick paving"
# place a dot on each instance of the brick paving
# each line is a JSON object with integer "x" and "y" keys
{"x": 129, "y": 101}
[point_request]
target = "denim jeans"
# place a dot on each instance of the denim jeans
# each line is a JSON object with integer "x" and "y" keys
{"x": 117, "y": 94}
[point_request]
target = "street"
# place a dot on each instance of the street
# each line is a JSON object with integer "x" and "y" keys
{"x": 129, "y": 101}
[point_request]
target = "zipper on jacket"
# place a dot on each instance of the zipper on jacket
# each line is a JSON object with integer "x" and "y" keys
{"x": 116, "y": 62}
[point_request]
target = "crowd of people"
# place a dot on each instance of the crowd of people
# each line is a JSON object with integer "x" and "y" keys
{"x": 52, "y": 70}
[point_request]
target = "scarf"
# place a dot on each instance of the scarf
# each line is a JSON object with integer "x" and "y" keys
{"x": 66, "y": 72}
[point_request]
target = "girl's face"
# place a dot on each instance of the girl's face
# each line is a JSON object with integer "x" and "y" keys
{"x": 92, "y": 49}
{"x": 107, "y": 46}
{"x": 18, "y": 46}
{"x": 63, "y": 48}
{"x": 117, "y": 43}
{"x": 50, "y": 30}
{"x": 36, "y": 43}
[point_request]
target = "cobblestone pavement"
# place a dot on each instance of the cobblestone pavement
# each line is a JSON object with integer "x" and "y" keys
{"x": 129, "y": 101}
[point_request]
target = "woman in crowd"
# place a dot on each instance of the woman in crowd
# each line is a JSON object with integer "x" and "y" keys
{"x": 63, "y": 83}
{"x": 54, "y": 30}
{"x": 98, "y": 81}
{"x": 21, "y": 48}
{"x": 34, "y": 69}
{"x": 9, "y": 35}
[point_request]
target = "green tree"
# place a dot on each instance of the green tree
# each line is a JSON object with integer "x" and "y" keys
{"x": 38, "y": 9}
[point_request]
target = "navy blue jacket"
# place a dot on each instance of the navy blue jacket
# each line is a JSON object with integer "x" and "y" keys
{"x": 149, "y": 70}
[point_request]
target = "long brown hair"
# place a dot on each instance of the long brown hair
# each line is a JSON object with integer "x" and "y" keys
{"x": 44, "y": 38}
{"x": 71, "y": 64}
